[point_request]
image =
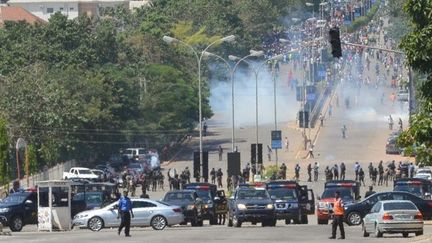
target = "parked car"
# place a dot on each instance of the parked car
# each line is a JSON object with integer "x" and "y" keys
{"x": 354, "y": 213}
{"x": 147, "y": 212}
{"x": 391, "y": 146}
{"x": 424, "y": 176}
{"x": 393, "y": 216}
{"x": 190, "y": 203}
{"x": 253, "y": 204}
{"x": 137, "y": 167}
{"x": 135, "y": 153}
{"x": 79, "y": 173}
{"x": 419, "y": 187}
{"x": 99, "y": 173}
{"x": 19, "y": 209}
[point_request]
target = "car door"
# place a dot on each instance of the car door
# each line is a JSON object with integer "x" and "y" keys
{"x": 30, "y": 209}
{"x": 371, "y": 217}
{"x": 311, "y": 202}
{"x": 138, "y": 208}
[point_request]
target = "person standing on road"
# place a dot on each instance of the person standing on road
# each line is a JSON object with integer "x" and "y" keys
{"x": 286, "y": 144}
{"x": 309, "y": 171}
{"x": 336, "y": 172}
{"x": 297, "y": 172}
{"x": 310, "y": 154}
{"x": 220, "y": 152}
{"x": 213, "y": 175}
{"x": 344, "y": 129}
{"x": 219, "y": 175}
{"x": 342, "y": 170}
{"x": 370, "y": 192}
{"x": 357, "y": 170}
{"x": 338, "y": 215}
{"x": 269, "y": 152}
{"x": 390, "y": 122}
{"x": 125, "y": 212}
{"x": 321, "y": 118}
{"x": 361, "y": 176}
{"x": 316, "y": 168}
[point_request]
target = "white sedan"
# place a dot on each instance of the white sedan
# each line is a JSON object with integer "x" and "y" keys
{"x": 147, "y": 212}
{"x": 393, "y": 216}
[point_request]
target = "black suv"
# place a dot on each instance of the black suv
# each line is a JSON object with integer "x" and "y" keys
{"x": 190, "y": 204}
{"x": 19, "y": 209}
{"x": 208, "y": 192}
{"x": 251, "y": 204}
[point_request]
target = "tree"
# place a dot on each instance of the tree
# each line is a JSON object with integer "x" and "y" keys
{"x": 4, "y": 152}
{"x": 418, "y": 51}
{"x": 32, "y": 159}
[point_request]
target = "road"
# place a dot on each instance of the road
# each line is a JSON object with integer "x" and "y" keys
{"x": 178, "y": 234}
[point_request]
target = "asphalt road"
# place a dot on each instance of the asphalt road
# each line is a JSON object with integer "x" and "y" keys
{"x": 248, "y": 233}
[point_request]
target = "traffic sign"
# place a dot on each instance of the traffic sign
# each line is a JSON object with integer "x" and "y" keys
{"x": 276, "y": 139}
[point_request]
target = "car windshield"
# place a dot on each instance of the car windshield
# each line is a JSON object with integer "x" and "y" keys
{"x": 86, "y": 172}
{"x": 414, "y": 189}
{"x": 90, "y": 197}
{"x": 128, "y": 151}
{"x": 203, "y": 194}
{"x": 252, "y": 194}
{"x": 15, "y": 198}
{"x": 283, "y": 194}
{"x": 142, "y": 151}
{"x": 183, "y": 196}
{"x": 399, "y": 206}
{"x": 346, "y": 194}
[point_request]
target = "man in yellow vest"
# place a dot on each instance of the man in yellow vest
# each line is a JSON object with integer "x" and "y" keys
{"x": 338, "y": 215}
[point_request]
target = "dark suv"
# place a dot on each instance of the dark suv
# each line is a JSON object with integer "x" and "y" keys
{"x": 190, "y": 204}
{"x": 251, "y": 204}
{"x": 19, "y": 209}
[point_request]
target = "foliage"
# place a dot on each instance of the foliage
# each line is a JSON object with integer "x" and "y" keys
{"x": 418, "y": 51}
{"x": 84, "y": 88}
{"x": 4, "y": 152}
{"x": 32, "y": 159}
{"x": 270, "y": 170}
{"x": 364, "y": 20}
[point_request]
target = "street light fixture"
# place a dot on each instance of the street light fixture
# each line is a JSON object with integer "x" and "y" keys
{"x": 171, "y": 40}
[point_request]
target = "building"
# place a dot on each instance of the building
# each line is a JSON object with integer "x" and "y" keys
{"x": 8, "y": 13}
{"x": 71, "y": 8}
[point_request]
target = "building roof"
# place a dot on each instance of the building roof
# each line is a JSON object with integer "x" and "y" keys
{"x": 9, "y": 13}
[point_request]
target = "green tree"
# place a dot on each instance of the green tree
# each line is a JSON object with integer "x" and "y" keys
{"x": 33, "y": 163}
{"x": 4, "y": 152}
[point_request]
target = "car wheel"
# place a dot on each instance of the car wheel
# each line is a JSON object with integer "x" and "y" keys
{"x": 419, "y": 233}
{"x": 200, "y": 223}
{"x": 322, "y": 221}
{"x": 405, "y": 234}
{"x": 354, "y": 218}
{"x": 378, "y": 233}
{"x": 237, "y": 223}
{"x": 16, "y": 224}
{"x": 272, "y": 222}
{"x": 287, "y": 221}
{"x": 158, "y": 222}
{"x": 365, "y": 233}
{"x": 95, "y": 224}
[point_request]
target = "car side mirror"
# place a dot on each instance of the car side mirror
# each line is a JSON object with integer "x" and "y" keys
{"x": 28, "y": 202}
{"x": 318, "y": 198}
{"x": 216, "y": 199}
{"x": 273, "y": 197}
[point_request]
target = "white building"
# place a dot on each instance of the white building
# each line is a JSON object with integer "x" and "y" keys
{"x": 71, "y": 8}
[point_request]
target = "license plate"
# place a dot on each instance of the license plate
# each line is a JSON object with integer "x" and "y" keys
{"x": 403, "y": 217}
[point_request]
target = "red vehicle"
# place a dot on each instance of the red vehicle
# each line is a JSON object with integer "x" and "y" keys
{"x": 349, "y": 191}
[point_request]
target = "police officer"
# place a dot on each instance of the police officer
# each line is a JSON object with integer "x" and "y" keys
{"x": 338, "y": 211}
{"x": 125, "y": 212}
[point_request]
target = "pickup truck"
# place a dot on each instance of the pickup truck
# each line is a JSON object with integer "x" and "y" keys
{"x": 79, "y": 173}
{"x": 251, "y": 204}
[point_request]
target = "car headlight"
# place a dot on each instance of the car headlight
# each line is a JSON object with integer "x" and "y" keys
{"x": 270, "y": 206}
{"x": 190, "y": 207}
{"x": 4, "y": 210}
{"x": 241, "y": 206}
{"x": 208, "y": 205}
{"x": 294, "y": 205}
{"x": 323, "y": 205}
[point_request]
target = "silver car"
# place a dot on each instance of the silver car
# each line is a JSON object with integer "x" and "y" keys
{"x": 393, "y": 216}
{"x": 147, "y": 212}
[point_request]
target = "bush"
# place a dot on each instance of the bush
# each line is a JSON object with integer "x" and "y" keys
{"x": 270, "y": 170}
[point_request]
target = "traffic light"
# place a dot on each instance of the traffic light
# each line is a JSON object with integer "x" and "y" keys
{"x": 303, "y": 119}
{"x": 335, "y": 42}
{"x": 233, "y": 163}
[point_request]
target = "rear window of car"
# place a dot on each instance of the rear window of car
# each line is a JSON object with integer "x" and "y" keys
{"x": 399, "y": 206}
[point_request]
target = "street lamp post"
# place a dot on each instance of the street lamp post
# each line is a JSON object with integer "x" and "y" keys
{"x": 171, "y": 40}
{"x": 256, "y": 71}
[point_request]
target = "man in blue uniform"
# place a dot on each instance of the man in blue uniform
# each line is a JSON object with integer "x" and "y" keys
{"x": 125, "y": 212}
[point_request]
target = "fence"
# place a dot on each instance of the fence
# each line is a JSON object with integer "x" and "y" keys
{"x": 54, "y": 173}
